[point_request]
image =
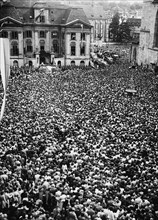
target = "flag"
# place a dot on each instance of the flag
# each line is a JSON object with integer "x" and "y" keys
{"x": 4, "y": 69}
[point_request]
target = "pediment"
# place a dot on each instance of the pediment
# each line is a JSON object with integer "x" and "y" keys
{"x": 10, "y": 21}
{"x": 78, "y": 24}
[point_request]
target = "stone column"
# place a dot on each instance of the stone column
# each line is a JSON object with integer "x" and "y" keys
{"x": 37, "y": 59}
{"x": 67, "y": 43}
{"x": 37, "y": 41}
{"x": 87, "y": 44}
{"x": 47, "y": 41}
{"x": 78, "y": 41}
{"x": 21, "y": 43}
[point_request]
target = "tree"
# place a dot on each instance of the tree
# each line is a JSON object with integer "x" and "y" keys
{"x": 114, "y": 27}
{"x": 136, "y": 6}
{"x": 124, "y": 32}
{"x": 119, "y": 29}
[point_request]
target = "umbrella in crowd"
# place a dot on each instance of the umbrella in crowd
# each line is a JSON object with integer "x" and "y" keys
{"x": 75, "y": 145}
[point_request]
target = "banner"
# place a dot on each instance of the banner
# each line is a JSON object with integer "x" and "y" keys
{"x": 4, "y": 69}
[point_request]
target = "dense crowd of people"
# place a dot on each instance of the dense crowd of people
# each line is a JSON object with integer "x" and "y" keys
{"x": 75, "y": 145}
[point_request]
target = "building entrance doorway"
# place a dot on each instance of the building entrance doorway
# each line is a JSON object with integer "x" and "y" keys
{"x": 45, "y": 57}
{"x": 42, "y": 60}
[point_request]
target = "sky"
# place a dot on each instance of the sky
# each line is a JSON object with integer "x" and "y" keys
{"x": 124, "y": 0}
{"x": 117, "y": 1}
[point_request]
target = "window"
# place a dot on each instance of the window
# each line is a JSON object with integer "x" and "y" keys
{"x": 14, "y": 35}
{"x": 42, "y": 48}
{"x": 28, "y": 34}
{"x": 83, "y": 36}
{"x": 42, "y": 19}
{"x": 14, "y": 48}
{"x": 56, "y": 46}
{"x": 72, "y": 63}
{"x": 54, "y": 34}
{"x": 156, "y": 32}
{"x": 59, "y": 64}
{"x": 15, "y": 51}
{"x": 42, "y": 45}
{"x": 73, "y": 49}
{"x": 73, "y": 36}
{"x": 15, "y": 63}
{"x": 4, "y": 34}
{"x": 29, "y": 48}
{"x": 29, "y": 45}
{"x": 82, "y": 63}
{"x": 42, "y": 34}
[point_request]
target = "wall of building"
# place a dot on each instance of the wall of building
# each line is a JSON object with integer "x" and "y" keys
{"x": 147, "y": 52}
{"x": 28, "y": 48}
{"x": 99, "y": 27}
{"x": 77, "y": 58}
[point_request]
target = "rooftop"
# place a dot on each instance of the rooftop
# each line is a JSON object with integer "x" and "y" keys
{"x": 59, "y": 14}
{"x": 94, "y": 12}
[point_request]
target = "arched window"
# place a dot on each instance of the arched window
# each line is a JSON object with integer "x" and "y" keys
{"x": 82, "y": 63}
{"x": 156, "y": 31}
{"x": 15, "y": 63}
{"x": 59, "y": 64}
{"x": 29, "y": 45}
{"x": 73, "y": 48}
{"x": 42, "y": 45}
{"x": 14, "y": 48}
{"x": 72, "y": 63}
{"x": 56, "y": 46}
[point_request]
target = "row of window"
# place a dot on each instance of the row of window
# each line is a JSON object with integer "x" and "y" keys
{"x": 29, "y": 48}
{"x": 42, "y": 34}
{"x": 82, "y": 36}
{"x": 73, "y": 63}
{"x": 13, "y": 35}
{"x": 82, "y": 50}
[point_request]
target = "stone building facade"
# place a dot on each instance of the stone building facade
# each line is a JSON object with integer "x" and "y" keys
{"x": 43, "y": 33}
{"x": 100, "y": 22}
{"x": 148, "y": 44}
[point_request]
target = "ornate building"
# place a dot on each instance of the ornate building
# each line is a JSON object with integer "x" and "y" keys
{"x": 99, "y": 21}
{"x": 148, "y": 44}
{"x": 44, "y": 32}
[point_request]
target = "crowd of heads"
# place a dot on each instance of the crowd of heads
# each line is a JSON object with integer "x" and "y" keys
{"x": 74, "y": 145}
